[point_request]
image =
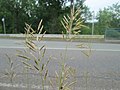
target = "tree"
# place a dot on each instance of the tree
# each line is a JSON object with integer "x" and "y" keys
{"x": 4, "y": 13}
{"x": 105, "y": 18}
{"x": 15, "y": 13}
{"x": 108, "y": 18}
{"x": 115, "y": 10}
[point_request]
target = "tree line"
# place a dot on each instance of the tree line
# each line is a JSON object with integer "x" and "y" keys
{"x": 18, "y": 12}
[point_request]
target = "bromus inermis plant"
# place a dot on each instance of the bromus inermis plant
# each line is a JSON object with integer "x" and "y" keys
{"x": 72, "y": 24}
{"x": 64, "y": 79}
{"x": 33, "y": 55}
{"x": 10, "y": 72}
{"x": 87, "y": 52}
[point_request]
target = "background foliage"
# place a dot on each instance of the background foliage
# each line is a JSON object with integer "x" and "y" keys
{"x": 17, "y": 12}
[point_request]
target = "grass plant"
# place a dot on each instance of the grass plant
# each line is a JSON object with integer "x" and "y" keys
{"x": 33, "y": 55}
{"x": 10, "y": 71}
{"x": 36, "y": 54}
{"x": 64, "y": 79}
{"x": 72, "y": 24}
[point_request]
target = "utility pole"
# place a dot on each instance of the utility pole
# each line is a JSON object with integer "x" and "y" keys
{"x": 93, "y": 23}
{"x": 3, "y": 20}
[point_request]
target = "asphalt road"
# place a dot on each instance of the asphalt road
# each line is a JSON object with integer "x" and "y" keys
{"x": 102, "y": 66}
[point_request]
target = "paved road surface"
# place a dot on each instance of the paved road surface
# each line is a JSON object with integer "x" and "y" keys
{"x": 103, "y": 65}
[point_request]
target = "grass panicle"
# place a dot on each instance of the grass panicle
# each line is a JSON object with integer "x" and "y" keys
{"x": 35, "y": 53}
{"x": 10, "y": 72}
{"x": 72, "y": 24}
{"x": 64, "y": 79}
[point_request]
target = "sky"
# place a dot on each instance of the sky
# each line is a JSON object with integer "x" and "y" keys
{"x": 95, "y": 5}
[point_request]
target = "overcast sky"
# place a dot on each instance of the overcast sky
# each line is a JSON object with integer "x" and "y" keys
{"x": 95, "y": 5}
